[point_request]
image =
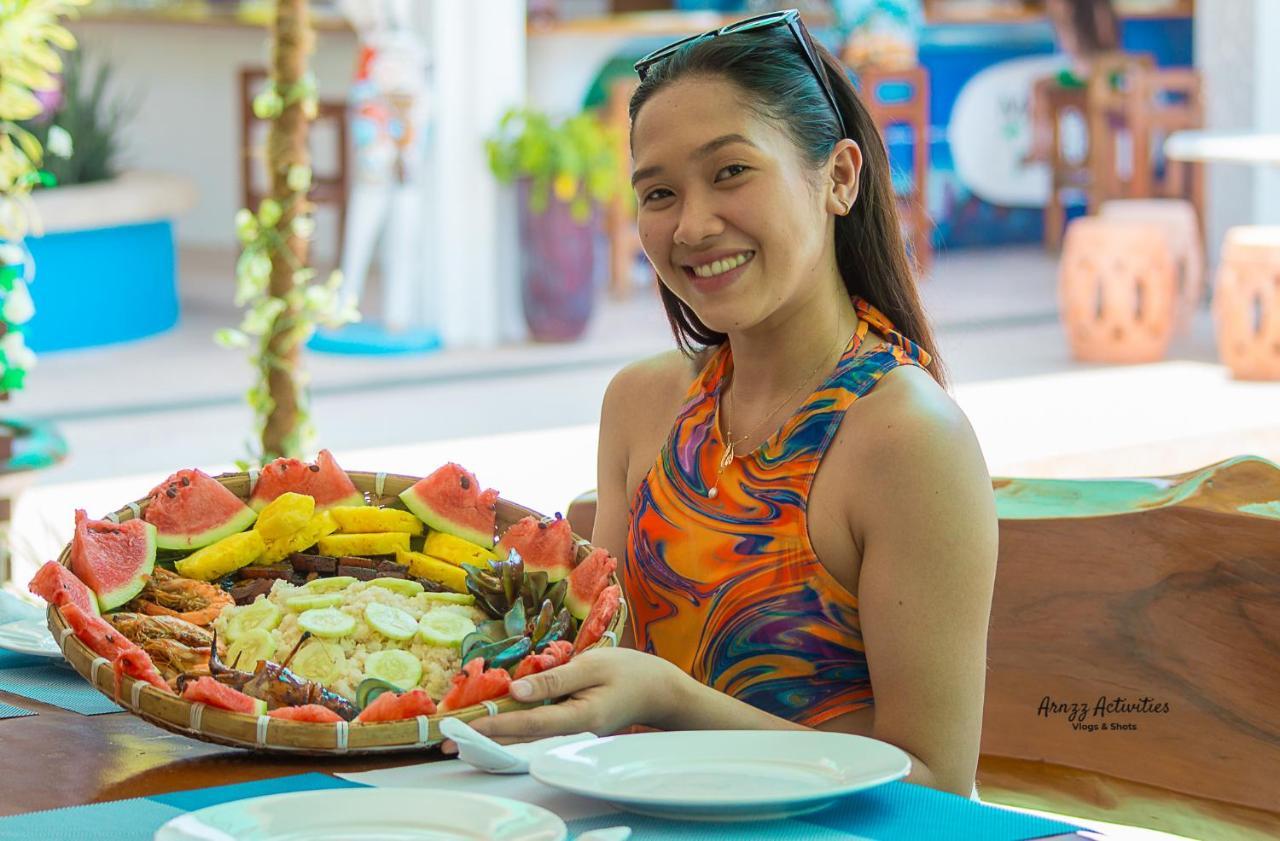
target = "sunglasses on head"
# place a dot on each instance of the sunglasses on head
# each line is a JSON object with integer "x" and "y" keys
{"x": 789, "y": 18}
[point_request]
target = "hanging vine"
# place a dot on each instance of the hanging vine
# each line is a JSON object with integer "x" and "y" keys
{"x": 283, "y": 299}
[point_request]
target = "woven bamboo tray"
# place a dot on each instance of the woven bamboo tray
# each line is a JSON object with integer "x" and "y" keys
{"x": 271, "y": 735}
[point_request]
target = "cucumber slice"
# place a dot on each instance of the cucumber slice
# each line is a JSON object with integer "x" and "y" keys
{"x": 320, "y": 661}
{"x": 395, "y": 667}
{"x": 450, "y": 598}
{"x": 326, "y": 622}
{"x": 311, "y": 601}
{"x": 329, "y": 585}
{"x": 260, "y": 615}
{"x": 391, "y": 622}
{"x": 250, "y": 647}
{"x": 403, "y": 586}
{"x": 445, "y": 627}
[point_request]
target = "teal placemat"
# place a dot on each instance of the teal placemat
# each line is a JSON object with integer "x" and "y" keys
{"x": 907, "y": 812}
{"x": 200, "y": 798}
{"x": 14, "y": 660}
{"x": 10, "y": 711}
{"x": 121, "y": 820}
{"x": 656, "y": 829}
{"x": 58, "y": 685}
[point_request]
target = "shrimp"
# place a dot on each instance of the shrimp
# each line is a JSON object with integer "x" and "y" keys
{"x": 169, "y": 594}
{"x": 141, "y": 628}
{"x": 173, "y": 659}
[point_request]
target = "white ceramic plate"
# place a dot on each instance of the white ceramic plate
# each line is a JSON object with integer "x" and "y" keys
{"x": 29, "y": 636}
{"x": 364, "y": 814}
{"x": 722, "y": 774}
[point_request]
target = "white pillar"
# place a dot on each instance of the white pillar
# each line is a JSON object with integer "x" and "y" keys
{"x": 1266, "y": 91}
{"x": 478, "y": 51}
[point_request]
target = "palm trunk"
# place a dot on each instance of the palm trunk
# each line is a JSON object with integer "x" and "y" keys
{"x": 286, "y": 147}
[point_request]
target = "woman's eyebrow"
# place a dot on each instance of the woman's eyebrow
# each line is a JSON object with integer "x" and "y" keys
{"x": 702, "y": 151}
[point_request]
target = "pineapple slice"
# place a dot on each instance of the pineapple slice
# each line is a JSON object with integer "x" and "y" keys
{"x": 366, "y": 519}
{"x": 317, "y": 527}
{"x": 285, "y": 515}
{"x": 384, "y": 543}
{"x": 455, "y": 550}
{"x": 225, "y": 556}
{"x": 443, "y": 572}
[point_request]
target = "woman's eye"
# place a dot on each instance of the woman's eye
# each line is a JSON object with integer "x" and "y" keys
{"x": 731, "y": 170}
{"x": 656, "y": 195}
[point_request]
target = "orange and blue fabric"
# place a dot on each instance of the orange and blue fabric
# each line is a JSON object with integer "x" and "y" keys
{"x": 727, "y": 585}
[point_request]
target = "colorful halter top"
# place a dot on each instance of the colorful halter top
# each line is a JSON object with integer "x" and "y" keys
{"x": 729, "y": 587}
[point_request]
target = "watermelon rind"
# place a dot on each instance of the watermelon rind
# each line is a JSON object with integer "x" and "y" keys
{"x": 111, "y": 599}
{"x": 237, "y": 523}
{"x": 438, "y": 521}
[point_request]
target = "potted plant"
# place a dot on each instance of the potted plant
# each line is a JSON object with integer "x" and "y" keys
{"x": 564, "y": 171}
{"x": 30, "y": 35}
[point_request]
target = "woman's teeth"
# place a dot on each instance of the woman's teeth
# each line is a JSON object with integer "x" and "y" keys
{"x": 722, "y": 266}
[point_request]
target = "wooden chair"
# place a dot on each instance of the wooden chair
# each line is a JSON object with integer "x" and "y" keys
{"x": 1166, "y": 100}
{"x": 329, "y": 188}
{"x": 620, "y": 216}
{"x": 1160, "y": 588}
{"x": 1166, "y": 589}
{"x": 1104, "y": 106}
{"x": 882, "y": 91}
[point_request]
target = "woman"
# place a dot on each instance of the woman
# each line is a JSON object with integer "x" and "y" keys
{"x": 806, "y": 524}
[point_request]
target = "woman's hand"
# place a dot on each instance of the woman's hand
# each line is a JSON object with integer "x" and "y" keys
{"x": 604, "y": 690}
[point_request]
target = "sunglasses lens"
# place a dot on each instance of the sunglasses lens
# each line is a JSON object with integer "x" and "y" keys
{"x": 755, "y": 23}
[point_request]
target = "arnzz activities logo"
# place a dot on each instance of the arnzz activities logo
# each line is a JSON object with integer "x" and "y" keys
{"x": 1101, "y": 715}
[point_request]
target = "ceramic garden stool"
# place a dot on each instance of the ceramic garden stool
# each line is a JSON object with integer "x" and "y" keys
{"x": 1117, "y": 289}
{"x": 1246, "y": 303}
{"x": 1182, "y": 227}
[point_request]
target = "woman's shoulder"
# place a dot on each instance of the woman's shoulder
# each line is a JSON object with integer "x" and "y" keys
{"x": 909, "y": 424}
{"x": 654, "y": 383}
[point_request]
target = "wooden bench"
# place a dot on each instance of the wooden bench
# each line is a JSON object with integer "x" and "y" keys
{"x": 1165, "y": 589}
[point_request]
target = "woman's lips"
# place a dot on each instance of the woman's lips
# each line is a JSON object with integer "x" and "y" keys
{"x": 717, "y": 282}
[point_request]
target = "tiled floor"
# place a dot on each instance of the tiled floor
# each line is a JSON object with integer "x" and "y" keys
{"x": 523, "y": 416}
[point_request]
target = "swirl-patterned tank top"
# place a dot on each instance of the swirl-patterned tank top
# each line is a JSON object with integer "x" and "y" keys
{"x": 728, "y": 586}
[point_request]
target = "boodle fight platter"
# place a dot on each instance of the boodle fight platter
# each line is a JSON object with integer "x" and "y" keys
{"x": 303, "y": 609}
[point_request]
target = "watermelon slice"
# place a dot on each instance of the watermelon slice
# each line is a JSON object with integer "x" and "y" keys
{"x": 58, "y": 586}
{"x": 324, "y": 481}
{"x": 597, "y": 622}
{"x": 191, "y": 509}
{"x": 587, "y": 580}
{"x": 474, "y": 684}
{"x": 546, "y": 545}
{"x": 390, "y": 706}
{"x": 206, "y": 690}
{"x": 450, "y": 500}
{"x": 307, "y": 712}
{"x": 113, "y": 559}
{"x": 556, "y": 654}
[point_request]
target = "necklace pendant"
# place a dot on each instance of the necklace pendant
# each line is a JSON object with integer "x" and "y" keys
{"x": 712, "y": 493}
{"x": 728, "y": 456}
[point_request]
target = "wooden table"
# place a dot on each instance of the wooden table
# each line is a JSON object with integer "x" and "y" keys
{"x": 60, "y": 758}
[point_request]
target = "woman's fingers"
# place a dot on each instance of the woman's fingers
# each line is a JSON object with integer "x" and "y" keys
{"x": 553, "y": 720}
{"x": 554, "y": 683}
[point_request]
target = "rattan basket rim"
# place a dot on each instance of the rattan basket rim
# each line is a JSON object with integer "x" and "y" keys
{"x": 272, "y": 735}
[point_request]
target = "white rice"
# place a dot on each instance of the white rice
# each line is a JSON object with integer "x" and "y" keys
{"x": 439, "y": 663}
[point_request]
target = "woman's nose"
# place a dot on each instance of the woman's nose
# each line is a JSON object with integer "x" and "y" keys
{"x": 698, "y": 221}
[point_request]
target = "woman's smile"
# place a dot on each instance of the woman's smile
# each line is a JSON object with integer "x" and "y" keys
{"x": 712, "y": 275}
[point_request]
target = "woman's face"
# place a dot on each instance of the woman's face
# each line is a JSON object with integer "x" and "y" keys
{"x": 729, "y": 214}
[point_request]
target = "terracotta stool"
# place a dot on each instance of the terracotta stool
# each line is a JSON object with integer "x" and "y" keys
{"x": 1117, "y": 288}
{"x": 1246, "y": 303}
{"x": 1182, "y": 228}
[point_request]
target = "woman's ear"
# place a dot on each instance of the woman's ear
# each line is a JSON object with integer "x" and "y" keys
{"x": 845, "y": 170}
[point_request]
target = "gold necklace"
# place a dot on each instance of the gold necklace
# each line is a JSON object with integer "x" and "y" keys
{"x": 730, "y": 444}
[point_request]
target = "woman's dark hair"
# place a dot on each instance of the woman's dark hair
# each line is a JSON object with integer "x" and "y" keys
{"x": 770, "y": 68}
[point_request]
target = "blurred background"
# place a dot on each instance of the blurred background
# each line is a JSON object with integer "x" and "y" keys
{"x": 1089, "y": 189}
